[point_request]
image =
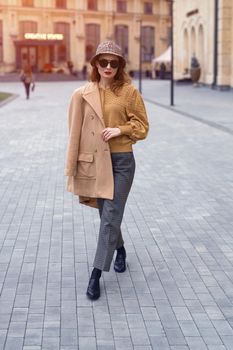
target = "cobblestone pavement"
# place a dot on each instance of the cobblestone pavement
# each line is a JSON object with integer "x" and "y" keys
{"x": 201, "y": 103}
{"x": 177, "y": 292}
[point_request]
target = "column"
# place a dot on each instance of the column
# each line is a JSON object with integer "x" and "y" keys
{"x": 224, "y": 43}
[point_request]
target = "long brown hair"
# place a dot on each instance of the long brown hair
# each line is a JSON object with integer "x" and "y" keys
{"x": 119, "y": 79}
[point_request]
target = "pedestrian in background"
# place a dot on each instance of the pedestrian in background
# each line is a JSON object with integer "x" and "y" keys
{"x": 162, "y": 70}
{"x": 84, "y": 71}
{"x": 70, "y": 67}
{"x": 106, "y": 117}
{"x": 27, "y": 78}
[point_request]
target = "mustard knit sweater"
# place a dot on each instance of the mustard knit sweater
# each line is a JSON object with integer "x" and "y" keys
{"x": 126, "y": 111}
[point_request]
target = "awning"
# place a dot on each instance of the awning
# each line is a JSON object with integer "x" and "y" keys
{"x": 165, "y": 57}
{"x": 37, "y": 42}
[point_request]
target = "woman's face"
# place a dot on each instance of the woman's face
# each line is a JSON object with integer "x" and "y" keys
{"x": 107, "y": 66}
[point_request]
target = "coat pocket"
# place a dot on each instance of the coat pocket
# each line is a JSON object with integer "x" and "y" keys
{"x": 86, "y": 166}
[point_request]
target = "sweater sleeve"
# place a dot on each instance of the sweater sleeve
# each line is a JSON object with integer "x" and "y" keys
{"x": 137, "y": 126}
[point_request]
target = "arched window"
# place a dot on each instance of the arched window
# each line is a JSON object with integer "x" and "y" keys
{"x": 193, "y": 42}
{"x": 122, "y": 38}
{"x": 186, "y": 52}
{"x": 148, "y": 43}
{"x": 200, "y": 54}
{"x": 27, "y": 27}
{"x": 63, "y": 50}
{"x": 92, "y": 39}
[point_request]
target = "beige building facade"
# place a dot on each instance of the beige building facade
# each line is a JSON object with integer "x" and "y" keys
{"x": 49, "y": 33}
{"x": 205, "y": 29}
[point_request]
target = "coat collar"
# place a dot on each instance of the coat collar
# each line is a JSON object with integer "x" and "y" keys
{"x": 92, "y": 96}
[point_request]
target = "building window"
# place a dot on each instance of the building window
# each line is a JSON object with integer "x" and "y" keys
{"x": 148, "y": 8}
{"x": 169, "y": 11}
{"x": 121, "y": 6}
{"x": 92, "y": 39}
{"x": 92, "y": 5}
{"x": 148, "y": 40}
{"x": 1, "y": 46}
{"x": 27, "y": 27}
{"x": 28, "y": 3}
{"x": 63, "y": 49}
{"x": 61, "y": 4}
{"x": 122, "y": 38}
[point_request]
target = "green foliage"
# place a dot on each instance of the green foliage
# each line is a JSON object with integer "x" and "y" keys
{"x": 4, "y": 96}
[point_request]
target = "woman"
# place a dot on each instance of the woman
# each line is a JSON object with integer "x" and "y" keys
{"x": 27, "y": 78}
{"x": 106, "y": 117}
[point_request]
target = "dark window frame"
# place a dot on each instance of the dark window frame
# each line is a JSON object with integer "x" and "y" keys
{"x": 92, "y": 5}
{"x": 27, "y": 27}
{"x": 92, "y": 33}
{"x": 28, "y": 3}
{"x": 121, "y": 32}
{"x": 63, "y": 49}
{"x": 61, "y": 4}
{"x": 148, "y": 43}
{"x": 121, "y": 6}
{"x": 148, "y": 8}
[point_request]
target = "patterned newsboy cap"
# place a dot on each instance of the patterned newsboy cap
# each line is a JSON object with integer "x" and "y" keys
{"x": 108, "y": 47}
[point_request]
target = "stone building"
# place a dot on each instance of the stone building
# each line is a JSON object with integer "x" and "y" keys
{"x": 204, "y": 28}
{"x": 49, "y": 33}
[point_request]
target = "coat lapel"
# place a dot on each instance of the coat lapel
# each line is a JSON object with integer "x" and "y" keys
{"x": 92, "y": 96}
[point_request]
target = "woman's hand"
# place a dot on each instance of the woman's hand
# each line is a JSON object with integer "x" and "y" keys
{"x": 109, "y": 133}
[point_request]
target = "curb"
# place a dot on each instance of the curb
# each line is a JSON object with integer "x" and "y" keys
{"x": 191, "y": 116}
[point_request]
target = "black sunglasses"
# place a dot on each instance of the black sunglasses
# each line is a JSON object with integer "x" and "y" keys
{"x": 104, "y": 63}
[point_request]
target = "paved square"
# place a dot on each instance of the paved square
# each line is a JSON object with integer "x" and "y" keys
{"x": 177, "y": 292}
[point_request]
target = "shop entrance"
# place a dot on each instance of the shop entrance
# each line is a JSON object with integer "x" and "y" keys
{"x": 38, "y": 53}
{"x": 28, "y": 55}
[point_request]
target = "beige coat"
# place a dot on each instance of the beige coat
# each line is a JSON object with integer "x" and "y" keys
{"x": 88, "y": 163}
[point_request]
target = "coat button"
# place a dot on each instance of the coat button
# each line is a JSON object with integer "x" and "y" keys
{"x": 93, "y": 133}
{"x": 95, "y": 150}
{"x": 92, "y": 117}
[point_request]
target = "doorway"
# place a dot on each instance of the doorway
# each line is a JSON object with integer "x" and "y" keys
{"x": 28, "y": 55}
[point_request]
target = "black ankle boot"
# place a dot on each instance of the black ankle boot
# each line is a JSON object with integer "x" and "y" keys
{"x": 93, "y": 289}
{"x": 120, "y": 264}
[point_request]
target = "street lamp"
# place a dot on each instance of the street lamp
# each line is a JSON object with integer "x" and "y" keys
{"x": 140, "y": 56}
{"x": 172, "y": 57}
{"x": 215, "y": 44}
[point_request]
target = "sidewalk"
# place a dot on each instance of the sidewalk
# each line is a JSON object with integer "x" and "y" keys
{"x": 49, "y": 77}
{"x": 202, "y": 103}
{"x": 177, "y": 291}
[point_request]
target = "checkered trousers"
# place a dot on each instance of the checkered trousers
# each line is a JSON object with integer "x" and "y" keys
{"x": 111, "y": 211}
